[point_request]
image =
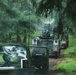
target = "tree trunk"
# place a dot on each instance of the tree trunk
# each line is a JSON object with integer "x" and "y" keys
{"x": 24, "y": 39}
{"x": 9, "y": 36}
{"x": 18, "y": 36}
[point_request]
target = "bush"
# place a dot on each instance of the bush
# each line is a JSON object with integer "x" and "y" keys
{"x": 69, "y": 65}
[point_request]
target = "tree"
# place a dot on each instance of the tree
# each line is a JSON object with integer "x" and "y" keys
{"x": 64, "y": 8}
{"x": 17, "y": 17}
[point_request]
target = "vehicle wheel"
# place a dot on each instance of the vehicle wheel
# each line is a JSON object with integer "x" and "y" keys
{"x": 57, "y": 54}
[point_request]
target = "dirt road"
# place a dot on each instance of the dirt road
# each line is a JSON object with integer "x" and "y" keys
{"x": 54, "y": 61}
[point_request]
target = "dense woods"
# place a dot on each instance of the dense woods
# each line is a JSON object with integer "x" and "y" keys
{"x": 19, "y": 17}
{"x": 65, "y": 11}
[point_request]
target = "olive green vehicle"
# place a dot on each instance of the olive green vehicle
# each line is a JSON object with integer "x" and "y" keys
{"x": 53, "y": 45}
{"x": 49, "y": 38}
{"x": 39, "y": 58}
{"x": 65, "y": 41}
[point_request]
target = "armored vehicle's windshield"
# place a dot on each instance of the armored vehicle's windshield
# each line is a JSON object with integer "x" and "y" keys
{"x": 39, "y": 50}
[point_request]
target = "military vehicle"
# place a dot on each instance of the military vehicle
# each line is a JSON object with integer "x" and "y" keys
{"x": 15, "y": 58}
{"x": 52, "y": 45}
{"x": 13, "y": 54}
{"x": 50, "y": 39}
{"x": 65, "y": 41}
{"x": 40, "y": 58}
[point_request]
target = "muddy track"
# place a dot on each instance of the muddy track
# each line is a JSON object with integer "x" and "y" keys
{"x": 53, "y": 62}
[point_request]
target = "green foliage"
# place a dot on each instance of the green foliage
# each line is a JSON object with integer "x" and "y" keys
{"x": 37, "y": 33}
{"x": 47, "y": 6}
{"x": 16, "y": 20}
{"x": 71, "y": 4}
{"x": 69, "y": 65}
{"x": 64, "y": 9}
{"x": 69, "y": 62}
{"x": 71, "y": 50}
{"x": 59, "y": 74}
{"x": 1, "y": 58}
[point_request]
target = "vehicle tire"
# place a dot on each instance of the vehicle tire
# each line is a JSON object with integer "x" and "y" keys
{"x": 57, "y": 54}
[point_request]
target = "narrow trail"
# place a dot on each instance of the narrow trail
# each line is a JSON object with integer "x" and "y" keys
{"x": 53, "y": 62}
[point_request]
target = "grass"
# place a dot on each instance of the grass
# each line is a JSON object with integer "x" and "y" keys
{"x": 71, "y": 50}
{"x": 69, "y": 64}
